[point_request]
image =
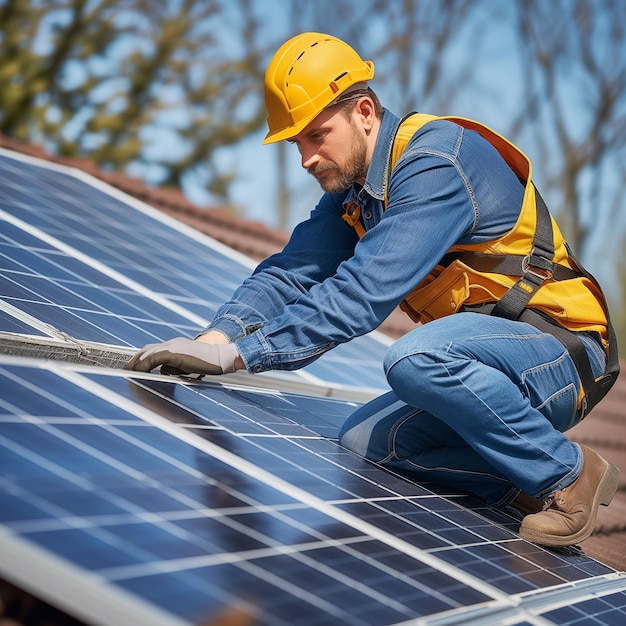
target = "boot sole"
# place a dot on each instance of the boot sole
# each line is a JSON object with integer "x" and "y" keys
{"x": 607, "y": 487}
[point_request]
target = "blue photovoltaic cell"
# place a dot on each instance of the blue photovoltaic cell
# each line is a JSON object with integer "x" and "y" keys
{"x": 53, "y": 284}
{"x": 53, "y": 287}
{"x": 200, "y": 499}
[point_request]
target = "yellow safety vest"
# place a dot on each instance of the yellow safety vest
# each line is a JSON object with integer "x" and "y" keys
{"x": 566, "y": 293}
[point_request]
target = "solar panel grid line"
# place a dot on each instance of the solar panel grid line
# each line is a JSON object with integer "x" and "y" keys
{"x": 93, "y": 322}
{"x": 381, "y": 597}
{"x": 533, "y": 605}
{"x": 135, "y": 203}
{"x": 103, "y": 521}
{"x": 291, "y": 490}
{"x": 37, "y": 459}
{"x": 37, "y": 324}
{"x": 575, "y": 592}
{"x": 229, "y": 557}
{"x": 16, "y": 327}
{"x": 483, "y": 616}
{"x": 49, "y": 426}
{"x": 244, "y": 563}
{"x": 305, "y": 382}
{"x": 277, "y": 381}
{"x": 104, "y": 269}
{"x": 85, "y": 595}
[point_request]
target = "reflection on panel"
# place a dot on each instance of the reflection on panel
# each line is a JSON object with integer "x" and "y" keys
{"x": 198, "y": 500}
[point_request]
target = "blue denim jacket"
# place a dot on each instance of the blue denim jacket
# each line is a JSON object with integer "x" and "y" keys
{"x": 327, "y": 286}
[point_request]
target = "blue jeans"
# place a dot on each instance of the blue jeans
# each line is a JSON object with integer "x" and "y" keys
{"x": 479, "y": 403}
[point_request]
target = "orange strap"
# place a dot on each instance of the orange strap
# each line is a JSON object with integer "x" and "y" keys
{"x": 352, "y": 216}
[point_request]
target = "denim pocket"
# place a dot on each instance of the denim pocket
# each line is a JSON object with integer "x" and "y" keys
{"x": 559, "y": 404}
{"x": 595, "y": 351}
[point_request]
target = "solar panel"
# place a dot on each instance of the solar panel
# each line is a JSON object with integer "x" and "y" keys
{"x": 187, "y": 500}
{"x": 139, "y": 499}
{"x": 80, "y": 259}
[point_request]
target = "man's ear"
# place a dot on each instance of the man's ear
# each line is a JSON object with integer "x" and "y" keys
{"x": 364, "y": 110}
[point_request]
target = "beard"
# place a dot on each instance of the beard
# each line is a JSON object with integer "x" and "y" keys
{"x": 339, "y": 178}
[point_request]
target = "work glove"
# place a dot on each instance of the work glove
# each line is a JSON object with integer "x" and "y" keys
{"x": 182, "y": 356}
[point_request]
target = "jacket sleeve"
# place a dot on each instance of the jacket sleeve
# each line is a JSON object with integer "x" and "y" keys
{"x": 316, "y": 248}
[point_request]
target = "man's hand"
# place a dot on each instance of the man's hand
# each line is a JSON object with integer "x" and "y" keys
{"x": 185, "y": 356}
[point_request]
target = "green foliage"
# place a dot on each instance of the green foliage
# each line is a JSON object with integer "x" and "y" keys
{"x": 106, "y": 79}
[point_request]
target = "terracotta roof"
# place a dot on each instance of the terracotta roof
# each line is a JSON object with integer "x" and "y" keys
{"x": 604, "y": 429}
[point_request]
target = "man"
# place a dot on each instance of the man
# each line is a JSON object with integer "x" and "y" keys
{"x": 441, "y": 217}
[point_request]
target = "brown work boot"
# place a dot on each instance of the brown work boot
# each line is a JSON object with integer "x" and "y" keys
{"x": 569, "y": 514}
{"x": 526, "y": 504}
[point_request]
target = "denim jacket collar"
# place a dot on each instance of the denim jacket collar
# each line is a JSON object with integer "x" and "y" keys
{"x": 376, "y": 180}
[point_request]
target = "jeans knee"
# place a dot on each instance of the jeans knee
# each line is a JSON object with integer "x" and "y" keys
{"x": 354, "y": 440}
{"x": 402, "y": 363}
{"x": 395, "y": 353}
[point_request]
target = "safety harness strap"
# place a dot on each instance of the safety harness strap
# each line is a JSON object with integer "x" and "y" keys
{"x": 509, "y": 264}
{"x": 537, "y": 267}
{"x": 600, "y": 386}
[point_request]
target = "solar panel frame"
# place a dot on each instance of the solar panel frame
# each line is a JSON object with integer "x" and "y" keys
{"x": 368, "y": 518}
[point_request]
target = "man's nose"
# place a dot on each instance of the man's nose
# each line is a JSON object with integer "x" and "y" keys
{"x": 309, "y": 158}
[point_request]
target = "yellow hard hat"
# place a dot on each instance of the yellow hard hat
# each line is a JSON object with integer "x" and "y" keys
{"x": 306, "y": 74}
